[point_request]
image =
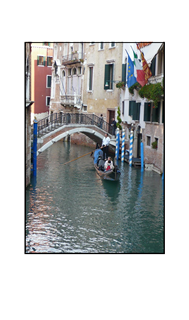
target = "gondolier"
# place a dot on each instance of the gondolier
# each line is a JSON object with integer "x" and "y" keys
{"x": 105, "y": 146}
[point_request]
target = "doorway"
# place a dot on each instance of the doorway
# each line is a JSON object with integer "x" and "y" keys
{"x": 138, "y": 145}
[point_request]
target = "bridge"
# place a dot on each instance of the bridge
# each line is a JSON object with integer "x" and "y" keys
{"x": 61, "y": 125}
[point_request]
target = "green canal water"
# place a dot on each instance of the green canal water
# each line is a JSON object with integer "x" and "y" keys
{"x": 69, "y": 209}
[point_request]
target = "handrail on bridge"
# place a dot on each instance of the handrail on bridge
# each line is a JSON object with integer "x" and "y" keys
{"x": 55, "y": 120}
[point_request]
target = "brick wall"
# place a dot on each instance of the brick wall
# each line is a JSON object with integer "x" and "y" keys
{"x": 154, "y": 156}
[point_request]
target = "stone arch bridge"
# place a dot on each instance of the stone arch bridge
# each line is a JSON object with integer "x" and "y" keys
{"x": 58, "y": 126}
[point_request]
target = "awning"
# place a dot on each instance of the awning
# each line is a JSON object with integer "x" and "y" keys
{"x": 151, "y": 50}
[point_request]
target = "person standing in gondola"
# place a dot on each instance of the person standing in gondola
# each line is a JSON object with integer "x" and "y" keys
{"x": 105, "y": 146}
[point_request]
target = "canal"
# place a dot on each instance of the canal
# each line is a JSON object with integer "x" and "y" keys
{"x": 69, "y": 209}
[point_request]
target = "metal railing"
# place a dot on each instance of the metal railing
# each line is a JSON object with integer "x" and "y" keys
{"x": 56, "y": 120}
{"x": 74, "y": 56}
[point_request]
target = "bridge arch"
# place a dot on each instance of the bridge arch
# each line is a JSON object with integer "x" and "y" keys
{"x": 91, "y": 132}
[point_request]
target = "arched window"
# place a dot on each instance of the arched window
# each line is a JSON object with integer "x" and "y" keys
{"x": 63, "y": 73}
{"x": 74, "y": 71}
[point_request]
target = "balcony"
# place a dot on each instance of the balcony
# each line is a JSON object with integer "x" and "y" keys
{"x": 71, "y": 100}
{"x": 73, "y": 58}
{"x": 155, "y": 79}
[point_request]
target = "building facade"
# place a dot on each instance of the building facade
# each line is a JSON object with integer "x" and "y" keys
{"x": 28, "y": 105}
{"x": 103, "y": 69}
{"x": 41, "y": 65}
{"x": 140, "y": 113}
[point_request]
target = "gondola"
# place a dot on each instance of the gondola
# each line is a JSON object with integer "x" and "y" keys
{"x": 112, "y": 174}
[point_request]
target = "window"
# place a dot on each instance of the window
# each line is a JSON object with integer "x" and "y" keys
{"x": 134, "y": 110}
{"x": 40, "y": 60}
{"x": 74, "y": 71}
{"x": 124, "y": 65}
{"x": 91, "y": 43}
{"x": 79, "y": 70}
{"x": 156, "y": 140}
{"x": 46, "y": 44}
{"x": 47, "y": 101}
{"x": 148, "y": 142}
{"x": 49, "y": 61}
{"x": 108, "y": 78}
{"x": 156, "y": 113}
{"x": 112, "y": 44}
{"x": 147, "y": 111}
{"x": 101, "y": 45}
{"x": 90, "y": 78}
{"x": 123, "y": 108}
{"x": 153, "y": 66}
{"x": 48, "y": 81}
{"x": 85, "y": 107}
{"x": 69, "y": 72}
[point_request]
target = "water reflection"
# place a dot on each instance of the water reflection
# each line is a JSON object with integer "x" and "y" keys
{"x": 70, "y": 209}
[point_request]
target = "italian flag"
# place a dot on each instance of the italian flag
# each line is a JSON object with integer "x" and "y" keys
{"x": 139, "y": 70}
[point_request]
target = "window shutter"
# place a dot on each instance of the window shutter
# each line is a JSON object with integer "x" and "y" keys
{"x": 124, "y": 72}
{"x": 153, "y": 66}
{"x": 44, "y": 61}
{"x": 37, "y": 60}
{"x": 106, "y": 77}
{"x": 49, "y": 81}
{"x": 147, "y": 111}
{"x": 138, "y": 111}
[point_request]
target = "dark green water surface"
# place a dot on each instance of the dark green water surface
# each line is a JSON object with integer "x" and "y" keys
{"x": 69, "y": 209}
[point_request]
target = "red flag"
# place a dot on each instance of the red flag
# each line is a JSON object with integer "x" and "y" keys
{"x": 142, "y": 44}
{"x": 146, "y": 69}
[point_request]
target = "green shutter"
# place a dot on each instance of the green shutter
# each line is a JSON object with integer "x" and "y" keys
{"x": 124, "y": 72}
{"x": 155, "y": 113}
{"x": 37, "y": 60}
{"x": 49, "y": 81}
{"x": 44, "y": 61}
{"x": 153, "y": 66}
{"x": 106, "y": 77}
{"x": 147, "y": 111}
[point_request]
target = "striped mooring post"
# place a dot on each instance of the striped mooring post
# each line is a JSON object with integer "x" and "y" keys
{"x": 123, "y": 145}
{"x": 35, "y": 148}
{"x": 131, "y": 148}
{"x": 117, "y": 144}
{"x": 142, "y": 156}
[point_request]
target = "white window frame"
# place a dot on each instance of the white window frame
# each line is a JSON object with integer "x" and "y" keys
{"x": 40, "y": 65}
{"x": 90, "y": 66}
{"x": 110, "y": 46}
{"x": 84, "y": 105}
{"x": 100, "y": 47}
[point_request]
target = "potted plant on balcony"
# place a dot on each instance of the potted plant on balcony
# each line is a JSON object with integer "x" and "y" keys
{"x": 120, "y": 85}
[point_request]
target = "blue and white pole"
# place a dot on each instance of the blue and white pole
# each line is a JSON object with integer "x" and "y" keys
{"x": 35, "y": 148}
{"x": 131, "y": 147}
{"x": 123, "y": 145}
{"x": 117, "y": 144}
{"x": 142, "y": 156}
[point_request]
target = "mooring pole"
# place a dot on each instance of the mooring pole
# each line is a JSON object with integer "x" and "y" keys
{"x": 142, "y": 156}
{"x": 35, "y": 148}
{"x": 131, "y": 148}
{"x": 123, "y": 145}
{"x": 117, "y": 144}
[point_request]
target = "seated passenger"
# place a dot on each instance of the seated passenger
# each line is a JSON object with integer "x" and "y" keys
{"x": 108, "y": 164}
{"x": 98, "y": 152}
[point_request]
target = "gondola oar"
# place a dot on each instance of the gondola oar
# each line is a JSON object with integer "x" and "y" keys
{"x": 91, "y": 152}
